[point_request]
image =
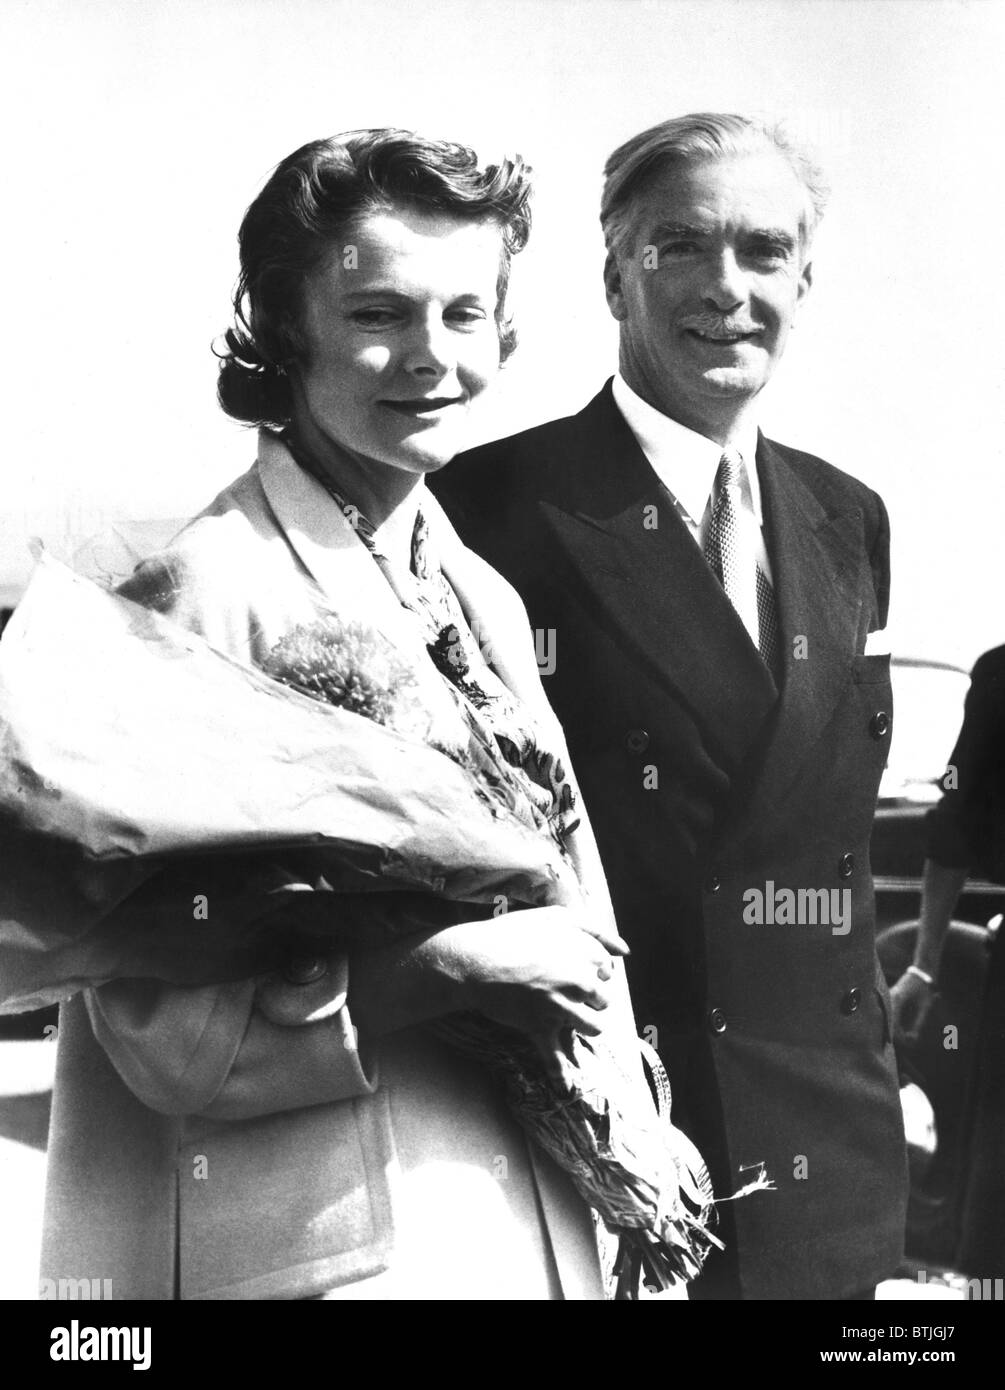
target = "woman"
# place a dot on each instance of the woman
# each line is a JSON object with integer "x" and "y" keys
{"x": 298, "y": 1135}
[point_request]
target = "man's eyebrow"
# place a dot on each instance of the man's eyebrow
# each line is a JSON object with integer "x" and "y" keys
{"x": 780, "y": 236}
{"x": 679, "y": 229}
{"x": 685, "y": 231}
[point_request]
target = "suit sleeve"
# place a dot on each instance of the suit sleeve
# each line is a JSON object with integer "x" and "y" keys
{"x": 879, "y": 559}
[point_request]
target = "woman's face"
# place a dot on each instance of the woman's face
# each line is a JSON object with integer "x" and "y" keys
{"x": 401, "y": 338}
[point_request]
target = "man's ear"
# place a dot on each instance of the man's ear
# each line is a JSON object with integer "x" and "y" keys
{"x": 805, "y": 281}
{"x": 613, "y": 288}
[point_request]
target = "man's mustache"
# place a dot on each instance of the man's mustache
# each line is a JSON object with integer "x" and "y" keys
{"x": 713, "y": 326}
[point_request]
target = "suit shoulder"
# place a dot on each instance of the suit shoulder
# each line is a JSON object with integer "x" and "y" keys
{"x": 831, "y": 484}
{"x": 990, "y": 668}
{"x": 514, "y": 460}
{"x": 528, "y": 443}
{"x": 491, "y": 492}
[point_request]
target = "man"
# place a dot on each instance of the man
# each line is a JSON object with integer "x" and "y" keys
{"x": 705, "y": 596}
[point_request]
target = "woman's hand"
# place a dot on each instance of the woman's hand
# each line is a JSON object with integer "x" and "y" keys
{"x": 535, "y": 971}
{"x": 542, "y": 971}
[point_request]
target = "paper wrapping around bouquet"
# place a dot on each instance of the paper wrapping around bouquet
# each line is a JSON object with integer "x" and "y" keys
{"x": 126, "y": 740}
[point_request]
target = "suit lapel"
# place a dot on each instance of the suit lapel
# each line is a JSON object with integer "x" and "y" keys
{"x": 816, "y": 557}
{"x": 650, "y": 585}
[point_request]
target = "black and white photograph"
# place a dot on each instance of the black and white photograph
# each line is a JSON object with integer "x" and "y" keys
{"x": 502, "y": 675}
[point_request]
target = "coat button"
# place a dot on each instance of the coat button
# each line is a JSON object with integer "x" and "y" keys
{"x": 879, "y": 724}
{"x": 717, "y": 1021}
{"x": 304, "y": 970}
{"x": 636, "y": 740}
{"x": 713, "y": 883}
{"x": 850, "y": 1002}
{"x": 846, "y": 866}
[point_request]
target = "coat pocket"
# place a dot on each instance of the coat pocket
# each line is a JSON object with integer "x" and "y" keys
{"x": 289, "y": 1205}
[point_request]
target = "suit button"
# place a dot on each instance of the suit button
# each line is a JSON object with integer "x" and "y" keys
{"x": 304, "y": 970}
{"x": 850, "y": 1002}
{"x": 846, "y": 866}
{"x": 879, "y": 724}
{"x": 717, "y": 1021}
{"x": 636, "y": 740}
{"x": 713, "y": 883}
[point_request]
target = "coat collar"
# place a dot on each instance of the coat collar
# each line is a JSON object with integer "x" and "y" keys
{"x": 324, "y": 541}
{"x": 340, "y": 564}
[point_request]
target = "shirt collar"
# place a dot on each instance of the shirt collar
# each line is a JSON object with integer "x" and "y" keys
{"x": 684, "y": 461}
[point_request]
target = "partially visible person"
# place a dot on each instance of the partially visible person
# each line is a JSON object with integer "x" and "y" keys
{"x": 966, "y": 833}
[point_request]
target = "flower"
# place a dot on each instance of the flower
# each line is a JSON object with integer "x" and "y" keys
{"x": 170, "y": 752}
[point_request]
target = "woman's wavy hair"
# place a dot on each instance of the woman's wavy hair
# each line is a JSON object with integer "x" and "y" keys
{"x": 308, "y": 204}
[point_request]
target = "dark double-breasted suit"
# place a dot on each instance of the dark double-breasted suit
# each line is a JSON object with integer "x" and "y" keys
{"x": 712, "y": 789}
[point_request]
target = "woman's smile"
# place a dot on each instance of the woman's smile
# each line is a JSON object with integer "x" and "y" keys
{"x": 422, "y": 408}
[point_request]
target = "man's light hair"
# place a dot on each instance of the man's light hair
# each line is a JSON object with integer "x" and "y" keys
{"x": 696, "y": 139}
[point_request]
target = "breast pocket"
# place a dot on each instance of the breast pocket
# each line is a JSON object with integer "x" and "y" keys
{"x": 870, "y": 670}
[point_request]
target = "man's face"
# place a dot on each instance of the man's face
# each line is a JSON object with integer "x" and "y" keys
{"x": 706, "y": 285}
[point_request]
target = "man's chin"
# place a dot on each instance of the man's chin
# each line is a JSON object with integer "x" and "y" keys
{"x": 732, "y": 381}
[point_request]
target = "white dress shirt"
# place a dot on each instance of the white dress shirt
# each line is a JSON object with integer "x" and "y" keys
{"x": 686, "y": 463}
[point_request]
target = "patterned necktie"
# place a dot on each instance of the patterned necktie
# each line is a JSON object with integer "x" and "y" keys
{"x": 728, "y": 552}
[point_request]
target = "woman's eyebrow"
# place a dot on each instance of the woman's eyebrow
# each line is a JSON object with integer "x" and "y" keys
{"x": 386, "y": 290}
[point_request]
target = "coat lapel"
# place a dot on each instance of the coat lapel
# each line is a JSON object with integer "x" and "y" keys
{"x": 339, "y": 563}
{"x": 816, "y": 557}
{"x": 326, "y": 544}
{"x": 351, "y": 584}
{"x": 651, "y": 585}
{"x": 494, "y": 612}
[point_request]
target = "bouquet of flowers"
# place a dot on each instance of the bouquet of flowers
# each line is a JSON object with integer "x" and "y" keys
{"x": 127, "y": 743}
